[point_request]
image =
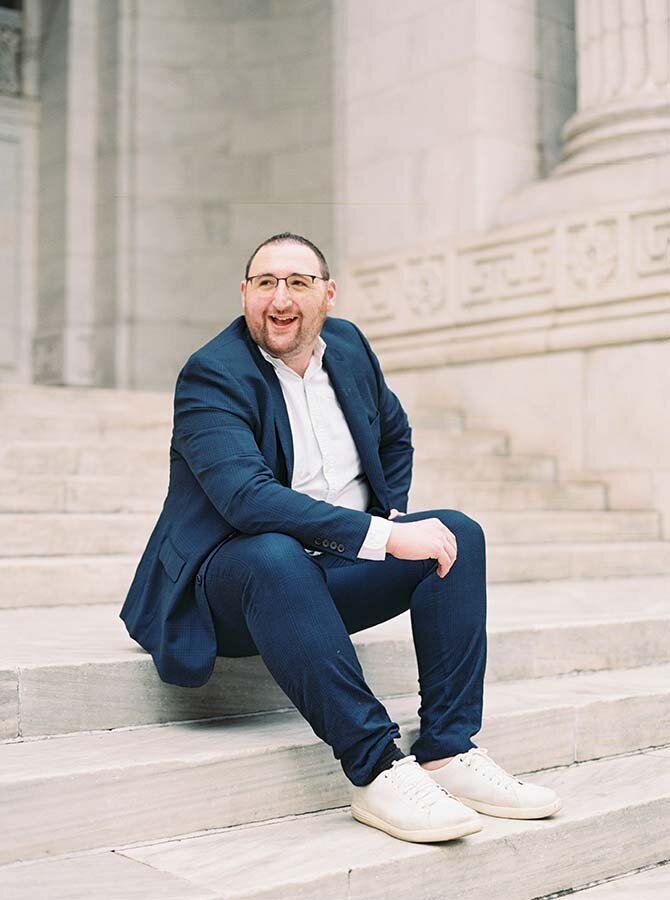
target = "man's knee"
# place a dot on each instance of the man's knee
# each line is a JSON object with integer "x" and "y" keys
{"x": 269, "y": 552}
{"x": 462, "y": 525}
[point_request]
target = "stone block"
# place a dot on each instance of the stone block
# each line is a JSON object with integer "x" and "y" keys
{"x": 624, "y": 387}
{"x": 303, "y": 172}
{"x": 45, "y": 534}
{"x": 616, "y": 559}
{"x": 520, "y": 391}
{"x": 505, "y": 34}
{"x": 88, "y": 876}
{"x": 504, "y": 102}
{"x": 373, "y": 61}
{"x": 54, "y": 581}
{"x": 279, "y": 37}
{"x": 185, "y": 42}
{"x": 9, "y": 704}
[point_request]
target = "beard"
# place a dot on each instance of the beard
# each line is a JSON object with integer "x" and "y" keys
{"x": 302, "y": 335}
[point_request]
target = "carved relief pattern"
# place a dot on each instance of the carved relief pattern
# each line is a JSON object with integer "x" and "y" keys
{"x": 651, "y": 243}
{"x": 592, "y": 258}
{"x": 376, "y": 288}
{"x": 507, "y": 271}
{"x": 10, "y": 44}
{"x": 564, "y": 266}
{"x": 424, "y": 287}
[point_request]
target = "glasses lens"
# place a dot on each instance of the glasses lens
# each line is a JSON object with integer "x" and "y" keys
{"x": 298, "y": 283}
{"x": 264, "y": 283}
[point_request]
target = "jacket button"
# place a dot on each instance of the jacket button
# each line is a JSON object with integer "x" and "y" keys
{"x": 317, "y": 541}
{"x": 198, "y": 579}
{"x": 333, "y": 545}
{"x": 340, "y": 547}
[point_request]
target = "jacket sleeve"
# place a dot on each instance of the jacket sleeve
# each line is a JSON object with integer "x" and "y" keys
{"x": 395, "y": 450}
{"x": 214, "y": 430}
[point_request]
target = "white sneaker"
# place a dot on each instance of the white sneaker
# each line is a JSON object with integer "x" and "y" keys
{"x": 405, "y": 802}
{"x": 480, "y": 783}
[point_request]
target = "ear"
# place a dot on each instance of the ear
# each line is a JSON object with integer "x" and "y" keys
{"x": 243, "y": 292}
{"x": 331, "y": 292}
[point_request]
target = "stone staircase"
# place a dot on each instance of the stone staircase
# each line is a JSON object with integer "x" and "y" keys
{"x": 115, "y": 784}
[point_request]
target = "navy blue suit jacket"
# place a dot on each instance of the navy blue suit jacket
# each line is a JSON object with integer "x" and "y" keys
{"x": 231, "y": 463}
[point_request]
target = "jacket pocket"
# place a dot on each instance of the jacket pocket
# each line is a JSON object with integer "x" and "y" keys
{"x": 172, "y": 560}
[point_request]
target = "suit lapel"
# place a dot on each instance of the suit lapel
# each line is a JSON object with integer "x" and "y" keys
{"x": 341, "y": 376}
{"x": 282, "y": 424}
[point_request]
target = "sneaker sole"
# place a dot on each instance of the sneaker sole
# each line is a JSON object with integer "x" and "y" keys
{"x": 424, "y": 835}
{"x": 512, "y": 812}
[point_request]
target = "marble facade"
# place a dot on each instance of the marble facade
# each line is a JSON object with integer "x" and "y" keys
{"x": 490, "y": 180}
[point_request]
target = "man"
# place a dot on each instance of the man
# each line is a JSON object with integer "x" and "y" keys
{"x": 283, "y": 532}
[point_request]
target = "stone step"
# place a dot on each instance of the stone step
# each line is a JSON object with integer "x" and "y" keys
{"x": 93, "y": 579}
{"x": 62, "y": 534}
{"x": 605, "y": 802}
{"x": 447, "y": 418}
{"x": 613, "y": 820}
{"x": 517, "y": 467}
{"x": 547, "y": 562}
{"x": 118, "y": 458}
{"x": 108, "y": 458}
{"x": 69, "y": 669}
{"x": 437, "y": 444}
{"x": 539, "y": 526}
{"x": 54, "y": 401}
{"x": 466, "y": 495}
{"x": 116, "y": 493}
{"x": 71, "y": 580}
{"x": 152, "y": 429}
{"x": 643, "y": 884}
{"x": 82, "y": 493}
{"x": 134, "y": 782}
{"x": 80, "y": 534}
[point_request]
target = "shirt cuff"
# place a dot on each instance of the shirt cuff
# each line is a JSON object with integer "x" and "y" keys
{"x": 374, "y": 545}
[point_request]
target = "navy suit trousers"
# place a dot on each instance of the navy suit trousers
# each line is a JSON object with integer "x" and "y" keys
{"x": 297, "y": 611}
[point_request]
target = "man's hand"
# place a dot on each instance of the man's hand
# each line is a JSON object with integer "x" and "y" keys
{"x": 427, "y": 539}
{"x": 395, "y": 512}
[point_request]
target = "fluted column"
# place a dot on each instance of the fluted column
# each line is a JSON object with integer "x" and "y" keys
{"x": 623, "y": 52}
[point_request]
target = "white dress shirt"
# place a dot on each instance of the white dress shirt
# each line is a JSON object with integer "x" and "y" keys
{"x": 326, "y": 464}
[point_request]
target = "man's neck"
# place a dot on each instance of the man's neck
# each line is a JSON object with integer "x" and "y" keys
{"x": 300, "y": 362}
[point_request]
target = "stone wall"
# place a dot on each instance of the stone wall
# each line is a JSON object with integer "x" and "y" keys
{"x": 226, "y": 124}
{"x": 177, "y": 135}
{"x": 437, "y": 117}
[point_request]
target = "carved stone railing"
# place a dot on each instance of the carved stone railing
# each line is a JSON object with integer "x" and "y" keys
{"x": 600, "y": 277}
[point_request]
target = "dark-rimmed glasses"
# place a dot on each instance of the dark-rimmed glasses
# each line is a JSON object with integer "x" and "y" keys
{"x": 296, "y": 283}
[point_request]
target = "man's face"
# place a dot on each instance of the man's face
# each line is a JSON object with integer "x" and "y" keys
{"x": 284, "y": 324}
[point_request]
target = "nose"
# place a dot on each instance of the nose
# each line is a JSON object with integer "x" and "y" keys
{"x": 281, "y": 297}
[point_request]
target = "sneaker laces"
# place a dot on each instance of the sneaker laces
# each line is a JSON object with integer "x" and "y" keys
{"x": 493, "y": 768}
{"x": 416, "y": 783}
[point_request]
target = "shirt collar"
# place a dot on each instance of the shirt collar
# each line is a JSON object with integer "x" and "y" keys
{"x": 317, "y": 354}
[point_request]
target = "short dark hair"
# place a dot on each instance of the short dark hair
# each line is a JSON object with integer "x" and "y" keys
{"x": 291, "y": 238}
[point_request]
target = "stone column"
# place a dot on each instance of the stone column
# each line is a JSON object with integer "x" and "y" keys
{"x": 623, "y": 51}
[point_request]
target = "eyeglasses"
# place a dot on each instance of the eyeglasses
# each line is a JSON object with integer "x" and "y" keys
{"x": 295, "y": 283}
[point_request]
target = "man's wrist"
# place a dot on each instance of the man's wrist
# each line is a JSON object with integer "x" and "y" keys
{"x": 374, "y": 545}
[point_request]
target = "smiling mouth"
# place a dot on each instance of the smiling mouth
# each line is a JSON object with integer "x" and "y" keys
{"x": 282, "y": 321}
